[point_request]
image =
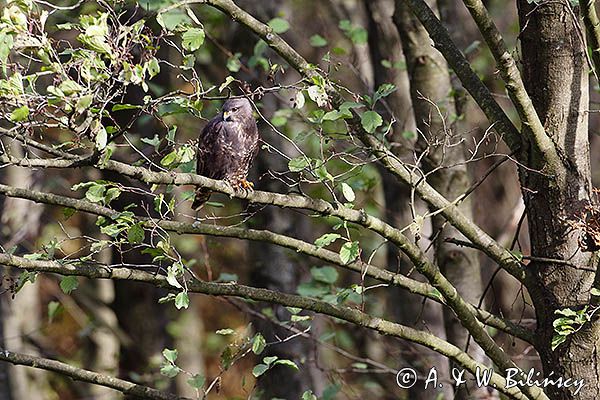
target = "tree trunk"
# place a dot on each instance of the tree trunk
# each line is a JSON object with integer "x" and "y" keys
{"x": 556, "y": 76}
{"x": 384, "y": 44}
{"x": 444, "y": 162}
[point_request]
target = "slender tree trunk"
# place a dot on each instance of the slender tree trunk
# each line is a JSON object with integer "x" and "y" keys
{"x": 434, "y": 109}
{"x": 20, "y": 222}
{"x": 279, "y": 269}
{"x": 556, "y": 76}
{"x": 384, "y": 44}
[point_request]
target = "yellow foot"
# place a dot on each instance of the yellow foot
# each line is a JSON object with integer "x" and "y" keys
{"x": 246, "y": 184}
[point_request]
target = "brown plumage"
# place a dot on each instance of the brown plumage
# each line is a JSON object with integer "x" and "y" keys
{"x": 226, "y": 147}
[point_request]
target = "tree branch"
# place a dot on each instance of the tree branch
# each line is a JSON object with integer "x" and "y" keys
{"x": 84, "y": 375}
{"x": 592, "y": 26}
{"x": 382, "y": 275}
{"x": 514, "y": 85}
{"x": 425, "y": 191}
{"x": 233, "y": 289}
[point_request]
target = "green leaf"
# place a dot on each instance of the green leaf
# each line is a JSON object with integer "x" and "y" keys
{"x": 101, "y": 135}
{"x": 308, "y": 395}
{"x": 197, "y": 381}
{"x": 259, "y": 369}
{"x": 153, "y": 67}
{"x": 170, "y": 355}
{"x": 70, "y": 87}
{"x": 298, "y": 164}
{"x": 348, "y": 192}
{"x": 313, "y": 289}
{"x": 19, "y": 114}
{"x": 327, "y": 239}
{"x": 349, "y": 252}
{"x": 84, "y": 103}
{"x": 595, "y": 292}
{"x": 172, "y": 272}
{"x": 383, "y": 91}
{"x": 370, "y": 121}
{"x": 53, "y": 310}
{"x": 288, "y": 363}
{"x": 95, "y": 193}
{"x": 233, "y": 62}
{"x": 192, "y": 39}
{"x": 135, "y": 234}
{"x": 172, "y": 19}
{"x": 359, "y": 35}
{"x": 171, "y": 159}
{"x": 182, "y": 300}
{"x": 557, "y": 340}
{"x": 227, "y": 82}
{"x": 111, "y": 194}
{"x": 170, "y": 371}
{"x": 318, "y": 41}
{"x": 322, "y": 173}
{"x": 226, "y": 277}
{"x": 119, "y": 107}
{"x": 68, "y": 212}
{"x": 270, "y": 360}
{"x": 68, "y": 284}
{"x": 324, "y": 274}
{"x": 258, "y": 343}
{"x": 299, "y": 100}
{"x": 279, "y": 25}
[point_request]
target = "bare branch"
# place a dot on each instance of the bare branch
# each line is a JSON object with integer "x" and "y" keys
{"x": 514, "y": 85}
{"x": 79, "y": 374}
{"x": 235, "y": 290}
{"x": 297, "y": 245}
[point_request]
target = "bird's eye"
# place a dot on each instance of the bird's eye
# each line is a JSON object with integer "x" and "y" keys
{"x": 234, "y": 109}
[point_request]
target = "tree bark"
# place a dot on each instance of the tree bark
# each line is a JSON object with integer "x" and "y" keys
{"x": 444, "y": 161}
{"x": 556, "y": 77}
{"x": 410, "y": 309}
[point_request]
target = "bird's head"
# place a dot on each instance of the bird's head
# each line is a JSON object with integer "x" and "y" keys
{"x": 237, "y": 110}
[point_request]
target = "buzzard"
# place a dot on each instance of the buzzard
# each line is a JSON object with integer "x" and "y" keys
{"x": 227, "y": 146}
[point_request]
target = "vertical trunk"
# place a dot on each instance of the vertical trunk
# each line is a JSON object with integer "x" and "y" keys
{"x": 19, "y": 223}
{"x": 279, "y": 269}
{"x": 384, "y": 44}
{"x": 434, "y": 109}
{"x": 556, "y": 77}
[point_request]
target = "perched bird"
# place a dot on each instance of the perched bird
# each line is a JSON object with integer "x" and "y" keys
{"x": 227, "y": 146}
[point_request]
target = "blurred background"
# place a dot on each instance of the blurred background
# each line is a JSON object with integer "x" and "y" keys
{"x": 121, "y": 328}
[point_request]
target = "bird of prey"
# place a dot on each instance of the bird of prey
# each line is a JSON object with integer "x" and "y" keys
{"x": 226, "y": 147}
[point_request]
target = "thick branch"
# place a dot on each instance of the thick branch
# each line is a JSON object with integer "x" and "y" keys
{"x": 465, "y": 311}
{"x": 454, "y": 300}
{"x": 232, "y": 289}
{"x": 78, "y": 374}
{"x": 300, "y": 246}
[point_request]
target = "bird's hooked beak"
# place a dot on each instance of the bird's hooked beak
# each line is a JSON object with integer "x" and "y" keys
{"x": 226, "y": 115}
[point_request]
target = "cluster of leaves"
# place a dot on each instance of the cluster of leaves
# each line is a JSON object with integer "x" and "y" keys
{"x": 570, "y": 321}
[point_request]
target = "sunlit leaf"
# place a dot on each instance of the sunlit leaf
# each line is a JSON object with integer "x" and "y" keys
{"x": 279, "y": 25}
{"x": 370, "y": 121}
{"x": 68, "y": 284}
{"x": 192, "y": 39}
{"x": 349, "y": 252}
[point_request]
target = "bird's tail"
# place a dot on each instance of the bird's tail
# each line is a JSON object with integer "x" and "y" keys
{"x": 202, "y": 196}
